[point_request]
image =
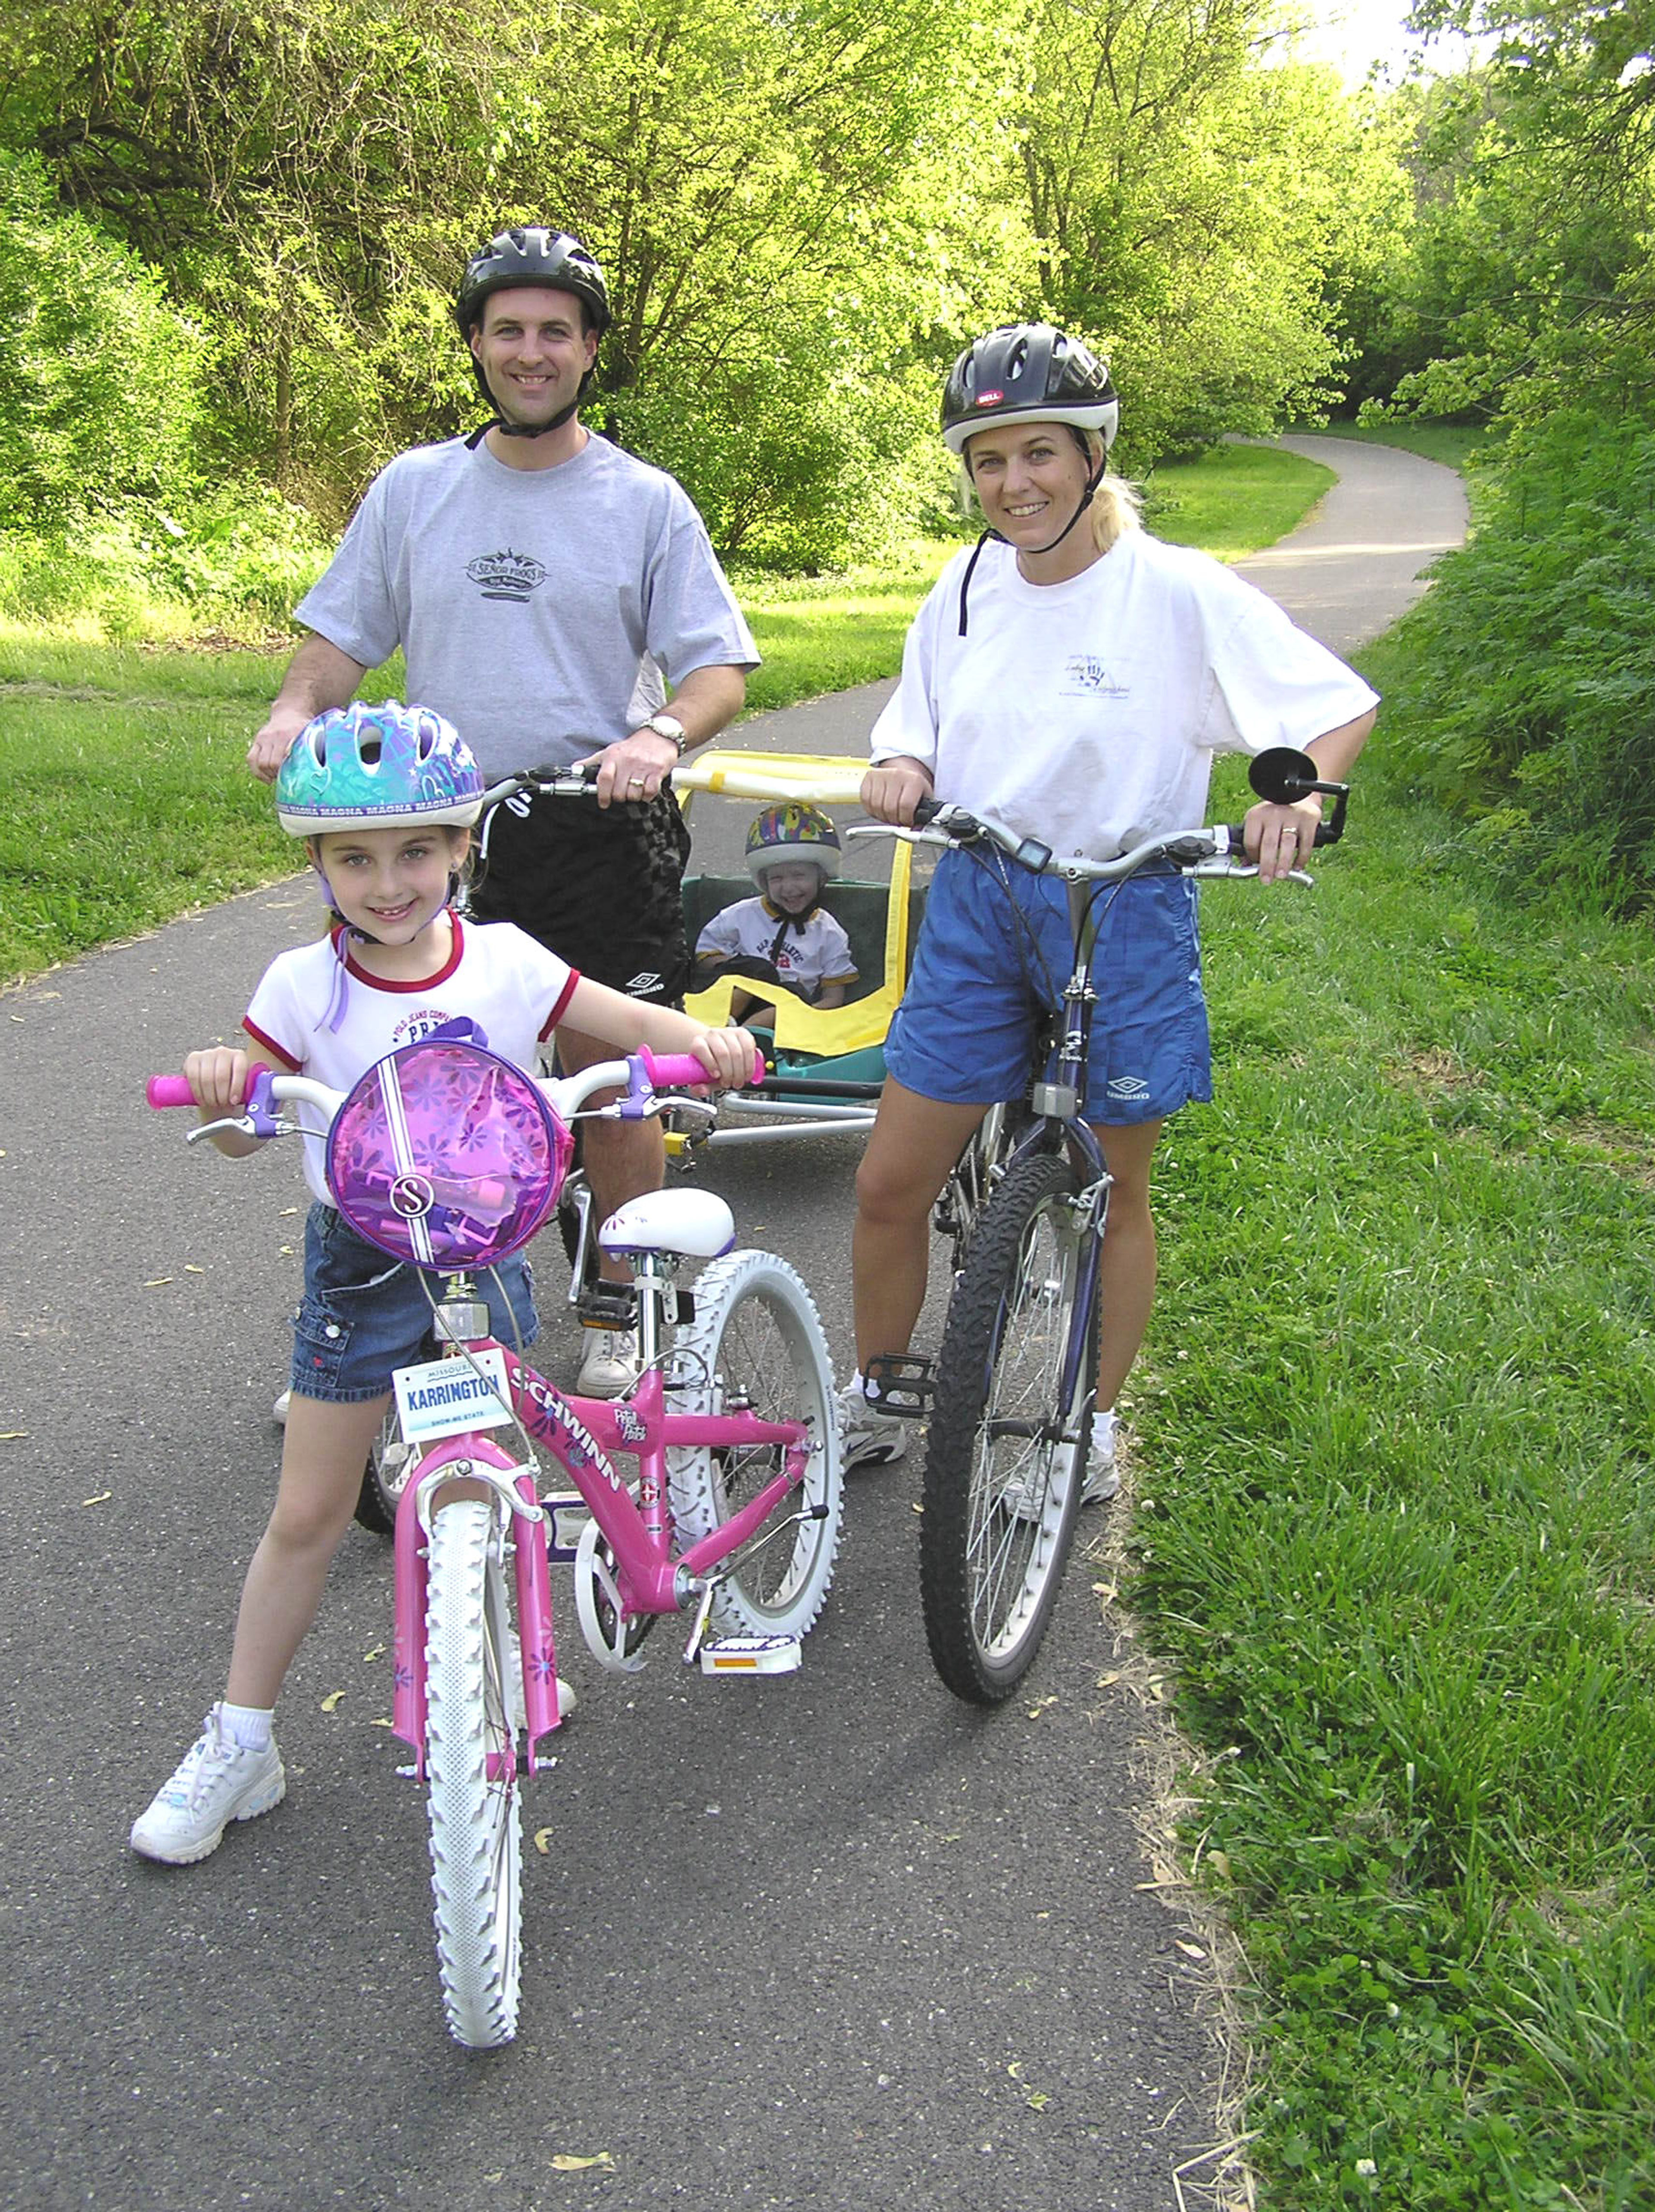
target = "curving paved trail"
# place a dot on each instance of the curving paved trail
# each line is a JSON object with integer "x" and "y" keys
{"x": 828, "y": 1941}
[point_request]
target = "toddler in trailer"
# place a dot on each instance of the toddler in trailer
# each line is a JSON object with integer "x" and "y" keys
{"x": 384, "y": 798}
{"x": 785, "y": 935}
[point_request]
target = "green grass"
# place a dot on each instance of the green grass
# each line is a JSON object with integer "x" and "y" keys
{"x": 1394, "y": 1444}
{"x": 1233, "y": 500}
{"x": 127, "y": 801}
{"x": 826, "y": 634}
{"x": 1454, "y": 444}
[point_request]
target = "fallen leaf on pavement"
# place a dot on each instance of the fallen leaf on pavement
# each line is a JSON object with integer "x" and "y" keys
{"x": 566, "y": 2162}
{"x": 102, "y": 1499}
{"x": 331, "y": 1702}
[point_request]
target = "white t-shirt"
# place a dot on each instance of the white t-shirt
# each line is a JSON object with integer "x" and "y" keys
{"x": 1086, "y": 714}
{"x": 538, "y": 607}
{"x": 804, "y": 960}
{"x": 511, "y": 988}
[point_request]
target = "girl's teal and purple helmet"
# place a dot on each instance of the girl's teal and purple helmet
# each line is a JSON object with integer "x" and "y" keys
{"x": 795, "y": 831}
{"x": 388, "y": 766}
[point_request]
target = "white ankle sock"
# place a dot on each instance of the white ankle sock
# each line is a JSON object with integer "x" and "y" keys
{"x": 248, "y": 1726}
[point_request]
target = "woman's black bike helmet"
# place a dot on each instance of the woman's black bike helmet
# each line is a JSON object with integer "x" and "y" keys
{"x": 1027, "y": 372}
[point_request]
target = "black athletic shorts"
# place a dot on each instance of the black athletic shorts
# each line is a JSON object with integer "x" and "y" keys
{"x": 602, "y": 887}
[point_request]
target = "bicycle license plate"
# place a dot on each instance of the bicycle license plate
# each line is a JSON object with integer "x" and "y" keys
{"x": 450, "y": 1397}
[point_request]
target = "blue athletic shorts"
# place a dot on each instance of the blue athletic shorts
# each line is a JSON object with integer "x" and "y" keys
{"x": 965, "y": 1031}
{"x": 364, "y": 1313}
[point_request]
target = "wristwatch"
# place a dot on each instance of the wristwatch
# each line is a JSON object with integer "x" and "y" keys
{"x": 670, "y": 727}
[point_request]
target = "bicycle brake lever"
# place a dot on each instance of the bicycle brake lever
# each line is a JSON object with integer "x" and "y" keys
{"x": 241, "y": 1123}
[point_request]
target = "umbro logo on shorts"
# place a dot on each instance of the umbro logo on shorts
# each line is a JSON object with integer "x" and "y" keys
{"x": 1128, "y": 1086}
{"x": 636, "y": 987}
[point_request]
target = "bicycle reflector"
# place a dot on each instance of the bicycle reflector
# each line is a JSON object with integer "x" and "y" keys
{"x": 447, "y": 1156}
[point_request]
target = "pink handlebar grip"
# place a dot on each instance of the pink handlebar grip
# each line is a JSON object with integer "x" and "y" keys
{"x": 677, "y": 1070}
{"x": 174, "y": 1089}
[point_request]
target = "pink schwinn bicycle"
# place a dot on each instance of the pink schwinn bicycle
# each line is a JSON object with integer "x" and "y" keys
{"x": 448, "y": 1157}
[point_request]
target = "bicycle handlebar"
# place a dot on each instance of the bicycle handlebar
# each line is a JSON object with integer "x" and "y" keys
{"x": 641, "y": 1076}
{"x": 551, "y": 782}
{"x": 1281, "y": 774}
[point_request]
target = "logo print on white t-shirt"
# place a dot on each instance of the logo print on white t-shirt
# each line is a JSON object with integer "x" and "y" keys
{"x": 1087, "y": 676}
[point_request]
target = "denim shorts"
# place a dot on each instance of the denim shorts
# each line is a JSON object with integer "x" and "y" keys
{"x": 365, "y": 1314}
{"x": 965, "y": 1031}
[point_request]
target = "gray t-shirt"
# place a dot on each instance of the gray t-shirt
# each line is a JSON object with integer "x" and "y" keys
{"x": 537, "y": 608}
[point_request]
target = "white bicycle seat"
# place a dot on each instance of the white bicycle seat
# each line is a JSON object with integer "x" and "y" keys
{"x": 693, "y": 1222}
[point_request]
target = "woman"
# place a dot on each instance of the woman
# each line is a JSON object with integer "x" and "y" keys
{"x": 1070, "y": 679}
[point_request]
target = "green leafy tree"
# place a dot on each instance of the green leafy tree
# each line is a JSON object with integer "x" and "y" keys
{"x": 98, "y": 402}
{"x": 1196, "y": 212}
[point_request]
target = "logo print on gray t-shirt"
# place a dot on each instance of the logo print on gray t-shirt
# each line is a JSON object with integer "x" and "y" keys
{"x": 507, "y": 575}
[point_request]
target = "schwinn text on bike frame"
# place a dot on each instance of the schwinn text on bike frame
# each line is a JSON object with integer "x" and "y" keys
{"x": 548, "y": 1417}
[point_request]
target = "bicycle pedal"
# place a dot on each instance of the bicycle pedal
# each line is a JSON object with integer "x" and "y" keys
{"x": 567, "y": 1517}
{"x": 608, "y": 1305}
{"x": 902, "y": 1382}
{"x": 752, "y": 1655}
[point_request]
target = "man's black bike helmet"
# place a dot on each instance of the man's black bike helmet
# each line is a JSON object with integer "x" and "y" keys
{"x": 530, "y": 253}
{"x": 1027, "y": 372}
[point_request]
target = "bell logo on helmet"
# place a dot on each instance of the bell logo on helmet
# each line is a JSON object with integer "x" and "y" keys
{"x": 990, "y": 398}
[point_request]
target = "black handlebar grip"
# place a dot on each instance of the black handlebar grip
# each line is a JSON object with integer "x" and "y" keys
{"x": 1326, "y": 834}
{"x": 926, "y": 810}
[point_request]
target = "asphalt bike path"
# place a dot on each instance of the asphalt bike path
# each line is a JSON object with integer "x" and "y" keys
{"x": 822, "y": 1940}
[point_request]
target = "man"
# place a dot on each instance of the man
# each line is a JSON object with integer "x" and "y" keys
{"x": 542, "y": 584}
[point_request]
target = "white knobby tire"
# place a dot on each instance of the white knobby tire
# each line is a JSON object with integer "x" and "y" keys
{"x": 476, "y": 1817}
{"x": 756, "y": 1341}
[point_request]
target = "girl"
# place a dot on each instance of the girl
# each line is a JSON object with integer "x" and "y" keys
{"x": 785, "y": 935}
{"x": 384, "y": 797}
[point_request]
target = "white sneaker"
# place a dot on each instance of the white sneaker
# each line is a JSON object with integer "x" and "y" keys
{"x": 611, "y": 1364}
{"x": 279, "y": 1410}
{"x": 1025, "y": 1498}
{"x": 867, "y": 1439}
{"x": 1102, "y": 1480}
{"x": 217, "y": 1782}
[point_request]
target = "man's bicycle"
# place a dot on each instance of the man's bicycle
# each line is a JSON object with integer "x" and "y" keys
{"x": 448, "y": 1158}
{"x": 1009, "y": 1396}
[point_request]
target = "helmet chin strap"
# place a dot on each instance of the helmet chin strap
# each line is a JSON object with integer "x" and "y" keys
{"x": 999, "y": 537}
{"x": 339, "y": 996}
{"x": 522, "y": 429}
{"x": 510, "y": 429}
{"x": 355, "y": 931}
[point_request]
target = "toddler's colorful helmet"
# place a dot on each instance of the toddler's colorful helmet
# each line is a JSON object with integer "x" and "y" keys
{"x": 797, "y": 831}
{"x": 388, "y": 766}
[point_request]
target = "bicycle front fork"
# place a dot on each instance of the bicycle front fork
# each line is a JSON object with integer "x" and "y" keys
{"x": 514, "y": 1500}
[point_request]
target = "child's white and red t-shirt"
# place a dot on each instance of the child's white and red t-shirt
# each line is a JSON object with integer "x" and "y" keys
{"x": 319, "y": 1018}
